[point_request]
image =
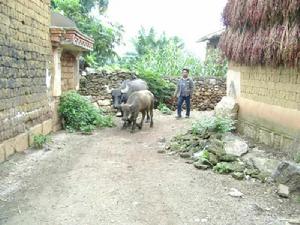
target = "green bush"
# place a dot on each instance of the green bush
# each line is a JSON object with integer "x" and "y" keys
{"x": 79, "y": 114}
{"x": 203, "y": 125}
{"x": 39, "y": 141}
{"x": 164, "y": 109}
{"x": 161, "y": 88}
{"x": 219, "y": 124}
{"x": 224, "y": 124}
{"x": 222, "y": 168}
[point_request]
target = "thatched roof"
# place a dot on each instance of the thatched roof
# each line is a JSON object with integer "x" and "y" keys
{"x": 264, "y": 32}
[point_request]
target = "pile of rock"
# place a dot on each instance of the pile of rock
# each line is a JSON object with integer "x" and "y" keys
{"x": 230, "y": 154}
{"x": 208, "y": 92}
{"x": 221, "y": 152}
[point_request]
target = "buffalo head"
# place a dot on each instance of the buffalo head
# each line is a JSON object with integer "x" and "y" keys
{"x": 117, "y": 97}
{"x": 127, "y": 111}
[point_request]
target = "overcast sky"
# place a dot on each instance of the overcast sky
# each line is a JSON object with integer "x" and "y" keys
{"x": 189, "y": 19}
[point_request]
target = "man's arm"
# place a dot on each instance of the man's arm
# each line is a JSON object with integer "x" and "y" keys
{"x": 191, "y": 86}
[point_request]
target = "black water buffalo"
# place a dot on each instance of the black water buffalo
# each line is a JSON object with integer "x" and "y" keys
{"x": 139, "y": 101}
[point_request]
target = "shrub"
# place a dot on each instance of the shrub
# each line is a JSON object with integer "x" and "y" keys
{"x": 39, "y": 141}
{"x": 161, "y": 88}
{"x": 222, "y": 168}
{"x": 224, "y": 124}
{"x": 203, "y": 125}
{"x": 80, "y": 114}
{"x": 219, "y": 124}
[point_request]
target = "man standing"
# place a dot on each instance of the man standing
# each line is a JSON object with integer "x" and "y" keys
{"x": 183, "y": 92}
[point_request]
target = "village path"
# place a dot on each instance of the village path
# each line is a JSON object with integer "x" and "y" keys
{"x": 115, "y": 177}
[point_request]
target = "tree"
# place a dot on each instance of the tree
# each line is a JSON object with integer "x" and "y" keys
{"x": 106, "y": 36}
{"x": 150, "y": 40}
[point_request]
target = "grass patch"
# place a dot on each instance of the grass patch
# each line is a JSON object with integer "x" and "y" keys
{"x": 40, "y": 140}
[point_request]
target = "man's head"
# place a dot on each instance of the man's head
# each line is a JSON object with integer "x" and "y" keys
{"x": 185, "y": 73}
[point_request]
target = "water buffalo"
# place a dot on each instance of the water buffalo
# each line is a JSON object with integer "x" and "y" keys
{"x": 127, "y": 87}
{"x": 139, "y": 101}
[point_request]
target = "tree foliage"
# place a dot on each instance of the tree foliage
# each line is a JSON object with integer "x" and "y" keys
{"x": 150, "y": 40}
{"x": 106, "y": 36}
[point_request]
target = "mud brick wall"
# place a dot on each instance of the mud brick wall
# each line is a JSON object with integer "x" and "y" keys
{"x": 208, "y": 91}
{"x": 67, "y": 71}
{"x": 272, "y": 86}
{"x": 269, "y": 102}
{"x": 24, "y": 60}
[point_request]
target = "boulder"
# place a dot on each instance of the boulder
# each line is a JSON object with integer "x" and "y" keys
{"x": 238, "y": 175}
{"x": 235, "y": 193}
{"x": 235, "y": 145}
{"x": 212, "y": 158}
{"x": 227, "y": 107}
{"x": 217, "y": 150}
{"x": 283, "y": 191}
{"x": 228, "y": 158}
{"x": 200, "y": 166}
{"x": 185, "y": 155}
{"x": 288, "y": 173}
{"x": 259, "y": 160}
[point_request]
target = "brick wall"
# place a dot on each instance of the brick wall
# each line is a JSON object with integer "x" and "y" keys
{"x": 269, "y": 100}
{"x": 272, "y": 86}
{"x": 24, "y": 59}
{"x": 67, "y": 71}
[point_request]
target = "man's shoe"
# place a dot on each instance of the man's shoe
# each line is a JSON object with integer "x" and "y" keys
{"x": 187, "y": 117}
{"x": 178, "y": 117}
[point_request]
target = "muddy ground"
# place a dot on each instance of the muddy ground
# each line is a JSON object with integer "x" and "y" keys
{"x": 115, "y": 177}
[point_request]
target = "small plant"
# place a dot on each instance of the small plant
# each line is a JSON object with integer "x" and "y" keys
{"x": 224, "y": 124}
{"x": 80, "y": 114}
{"x": 204, "y": 158}
{"x": 164, "y": 109}
{"x": 219, "y": 124}
{"x": 222, "y": 168}
{"x": 39, "y": 141}
{"x": 203, "y": 125}
{"x": 297, "y": 157}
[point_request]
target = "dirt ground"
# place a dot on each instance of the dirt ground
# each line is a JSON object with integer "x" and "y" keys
{"x": 115, "y": 177}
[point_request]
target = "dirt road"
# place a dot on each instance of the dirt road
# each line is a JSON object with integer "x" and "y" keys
{"x": 115, "y": 177}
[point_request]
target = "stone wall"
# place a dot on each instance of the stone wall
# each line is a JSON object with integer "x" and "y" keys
{"x": 24, "y": 61}
{"x": 269, "y": 102}
{"x": 208, "y": 91}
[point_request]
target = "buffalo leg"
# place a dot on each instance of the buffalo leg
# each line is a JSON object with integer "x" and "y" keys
{"x": 142, "y": 120}
{"x": 151, "y": 114}
{"x": 125, "y": 124}
{"x": 148, "y": 117}
{"x": 133, "y": 123}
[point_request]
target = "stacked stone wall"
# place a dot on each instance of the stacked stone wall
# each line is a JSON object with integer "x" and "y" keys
{"x": 24, "y": 62}
{"x": 208, "y": 91}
